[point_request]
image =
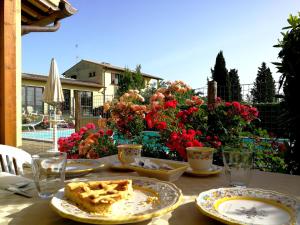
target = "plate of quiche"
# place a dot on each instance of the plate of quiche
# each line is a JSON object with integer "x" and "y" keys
{"x": 116, "y": 200}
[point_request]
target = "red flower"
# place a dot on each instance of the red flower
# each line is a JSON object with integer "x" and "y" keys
{"x": 161, "y": 125}
{"x": 90, "y": 126}
{"x": 170, "y": 104}
{"x": 92, "y": 155}
{"x": 82, "y": 130}
{"x": 74, "y": 156}
{"x": 189, "y": 144}
{"x": 227, "y": 104}
{"x": 101, "y": 132}
{"x": 236, "y": 105}
{"x": 109, "y": 132}
{"x": 149, "y": 120}
{"x": 254, "y": 111}
{"x": 197, "y": 143}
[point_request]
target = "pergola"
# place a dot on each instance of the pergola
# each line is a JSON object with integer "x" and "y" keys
{"x": 20, "y": 17}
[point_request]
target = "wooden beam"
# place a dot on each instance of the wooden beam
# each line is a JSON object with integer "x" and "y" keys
{"x": 25, "y": 19}
{"x": 30, "y": 11}
{"x": 39, "y": 5}
{"x": 10, "y": 70}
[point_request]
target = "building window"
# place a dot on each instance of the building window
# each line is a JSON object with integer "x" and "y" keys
{"x": 66, "y": 105}
{"x": 32, "y": 99}
{"x": 86, "y": 103}
{"x": 92, "y": 74}
{"x": 74, "y": 76}
{"x": 115, "y": 78}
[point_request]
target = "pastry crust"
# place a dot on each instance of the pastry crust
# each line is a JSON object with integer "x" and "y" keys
{"x": 98, "y": 196}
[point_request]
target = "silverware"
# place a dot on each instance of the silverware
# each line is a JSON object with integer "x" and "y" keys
{"x": 18, "y": 191}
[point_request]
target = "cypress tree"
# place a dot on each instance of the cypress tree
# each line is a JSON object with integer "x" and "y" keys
{"x": 220, "y": 75}
{"x": 264, "y": 85}
{"x": 236, "y": 90}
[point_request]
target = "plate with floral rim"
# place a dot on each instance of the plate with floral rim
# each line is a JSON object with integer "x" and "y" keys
{"x": 248, "y": 206}
{"x": 214, "y": 170}
{"x": 136, "y": 209}
{"x": 78, "y": 167}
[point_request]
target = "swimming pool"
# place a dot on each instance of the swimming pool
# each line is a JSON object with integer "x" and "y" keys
{"x": 46, "y": 135}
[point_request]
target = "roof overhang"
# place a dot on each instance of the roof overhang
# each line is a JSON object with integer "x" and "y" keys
{"x": 109, "y": 67}
{"x": 36, "y": 77}
{"x": 37, "y": 14}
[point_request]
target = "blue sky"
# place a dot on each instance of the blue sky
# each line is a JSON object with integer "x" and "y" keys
{"x": 172, "y": 39}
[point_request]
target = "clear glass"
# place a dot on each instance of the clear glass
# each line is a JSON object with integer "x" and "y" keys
{"x": 238, "y": 164}
{"x": 49, "y": 172}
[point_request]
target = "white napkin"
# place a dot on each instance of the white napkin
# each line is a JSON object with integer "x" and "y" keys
{"x": 148, "y": 164}
{"x": 7, "y": 179}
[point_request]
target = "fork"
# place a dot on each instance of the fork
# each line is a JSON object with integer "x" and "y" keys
{"x": 22, "y": 184}
{"x": 18, "y": 191}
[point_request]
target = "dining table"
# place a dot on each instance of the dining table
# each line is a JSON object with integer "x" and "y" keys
{"x": 19, "y": 210}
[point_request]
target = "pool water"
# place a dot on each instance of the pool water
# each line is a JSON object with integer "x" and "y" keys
{"x": 46, "y": 135}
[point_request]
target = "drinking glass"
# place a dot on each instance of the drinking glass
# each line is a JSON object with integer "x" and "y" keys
{"x": 238, "y": 163}
{"x": 49, "y": 172}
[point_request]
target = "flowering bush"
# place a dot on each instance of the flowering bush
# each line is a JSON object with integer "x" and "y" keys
{"x": 127, "y": 114}
{"x": 173, "y": 110}
{"x": 226, "y": 120}
{"x": 184, "y": 120}
{"x": 88, "y": 143}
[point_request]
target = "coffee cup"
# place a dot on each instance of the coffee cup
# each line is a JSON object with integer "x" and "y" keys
{"x": 200, "y": 158}
{"x": 128, "y": 152}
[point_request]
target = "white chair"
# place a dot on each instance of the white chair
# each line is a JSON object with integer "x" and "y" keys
{"x": 12, "y": 159}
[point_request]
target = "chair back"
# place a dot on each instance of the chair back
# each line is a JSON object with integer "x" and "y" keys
{"x": 12, "y": 159}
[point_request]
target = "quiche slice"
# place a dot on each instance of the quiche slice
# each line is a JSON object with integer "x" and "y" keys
{"x": 98, "y": 196}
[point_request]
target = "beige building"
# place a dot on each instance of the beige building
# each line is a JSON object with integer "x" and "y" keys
{"x": 104, "y": 74}
{"x": 95, "y": 83}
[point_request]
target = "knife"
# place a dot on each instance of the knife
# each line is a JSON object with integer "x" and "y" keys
{"x": 18, "y": 191}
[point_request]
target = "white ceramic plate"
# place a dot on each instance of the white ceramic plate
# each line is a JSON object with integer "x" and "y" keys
{"x": 117, "y": 165}
{"x": 132, "y": 210}
{"x": 78, "y": 167}
{"x": 248, "y": 206}
{"x": 200, "y": 173}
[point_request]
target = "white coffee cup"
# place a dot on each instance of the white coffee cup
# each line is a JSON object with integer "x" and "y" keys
{"x": 128, "y": 152}
{"x": 200, "y": 158}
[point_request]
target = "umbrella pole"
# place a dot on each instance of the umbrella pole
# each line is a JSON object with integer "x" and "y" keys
{"x": 55, "y": 131}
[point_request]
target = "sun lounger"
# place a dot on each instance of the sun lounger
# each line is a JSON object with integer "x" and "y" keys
{"x": 34, "y": 123}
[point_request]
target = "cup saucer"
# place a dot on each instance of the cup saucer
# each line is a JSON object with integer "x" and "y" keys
{"x": 116, "y": 165}
{"x": 213, "y": 170}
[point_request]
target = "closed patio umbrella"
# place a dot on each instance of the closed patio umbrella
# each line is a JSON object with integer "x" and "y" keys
{"x": 53, "y": 95}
